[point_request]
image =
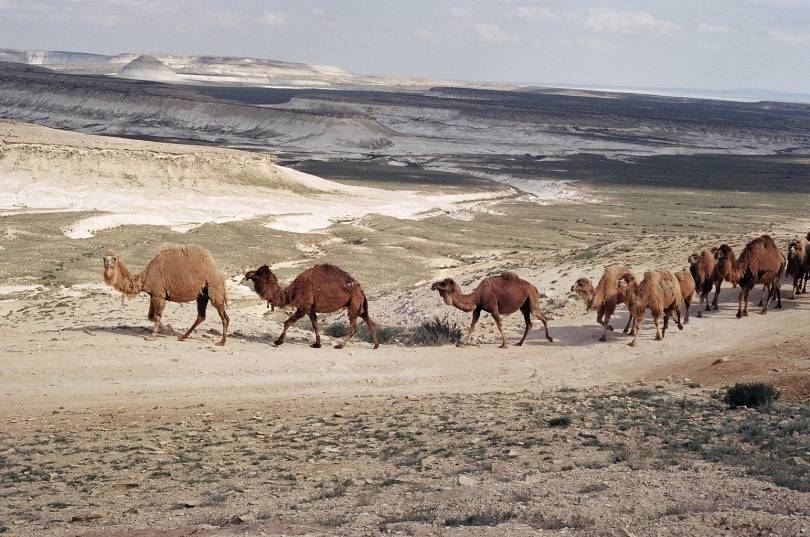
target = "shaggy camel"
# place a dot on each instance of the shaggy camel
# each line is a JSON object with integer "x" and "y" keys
{"x": 687, "y": 284}
{"x": 497, "y": 295}
{"x": 760, "y": 262}
{"x": 320, "y": 289}
{"x": 798, "y": 265}
{"x": 701, "y": 266}
{"x": 724, "y": 260}
{"x": 604, "y": 299}
{"x": 176, "y": 274}
{"x": 659, "y": 292}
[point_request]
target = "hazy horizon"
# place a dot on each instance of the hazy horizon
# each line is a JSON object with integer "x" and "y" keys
{"x": 719, "y": 45}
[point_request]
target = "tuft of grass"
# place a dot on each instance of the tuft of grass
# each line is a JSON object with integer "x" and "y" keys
{"x": 480, "y": 518}
{"x": 437, "y": 331}
{"x": 751, "y": 394}
{"x": 385, "y": 334}
{"x": 559, "y": 421}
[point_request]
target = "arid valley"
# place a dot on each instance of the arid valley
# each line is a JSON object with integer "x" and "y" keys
{"x": 401, "y": 182}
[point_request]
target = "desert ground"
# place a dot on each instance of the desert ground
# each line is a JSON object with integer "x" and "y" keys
{"x": 105, "y": 433}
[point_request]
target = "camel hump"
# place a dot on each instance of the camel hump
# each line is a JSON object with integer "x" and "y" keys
{"x": 510, "y": 276}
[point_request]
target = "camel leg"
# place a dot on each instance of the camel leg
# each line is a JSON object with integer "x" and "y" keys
{"x": 629, "y": 326}
{"x": 716, "y": 295}
{"x": 475, "y": 317}
{"x": 352, "y": 330}
{"x": 657, "y": 321}
{"x": 636, "y": 327}
{"x": 156, "y": 306}
{"x": 607, "y": 312}
{"x": 778, "y": 289}
{"x": 223, "y": 315}
{"x": 371, "y": 326}
{"x": 497, "y": 317}
{"x": 313, "y": 318}
{"x": 539, "y": 315}
{"x": 290, "y": 320}
{"x": 687, "y": 304}
{"x": 742, "y": 299}
{"x": 202, "y": 303}
{"x": 667, "y": 315}
{"x": 766, "y": 288}
{"x": 527, "y": 317}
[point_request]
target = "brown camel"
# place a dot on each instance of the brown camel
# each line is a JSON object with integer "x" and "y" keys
{"x": 604, "y": 299}
{"x": 659, "y": 292}
{"x": 798, "y": 265}
{"x": 724, "y": 260}
{"x": 701, "y": 266}
{"x": 176, "y": 274}
{"x": 320, "y": 289}
{"x": 687, "y": 284}
{"x": 497, "y": 295}
{"x": 760, "y": 262}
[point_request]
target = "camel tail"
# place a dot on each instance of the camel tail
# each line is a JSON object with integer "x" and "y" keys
{"x": 365, "y": 304}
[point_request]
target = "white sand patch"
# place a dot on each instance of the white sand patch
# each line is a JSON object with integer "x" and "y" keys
{"x": 184, "y": 190}
{"x": 27, "y": 290}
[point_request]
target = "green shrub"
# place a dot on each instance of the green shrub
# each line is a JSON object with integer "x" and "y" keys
{"x": 751, "y": 394}
{"x": 385, "y": 334}
{"x": 437, "y": 331}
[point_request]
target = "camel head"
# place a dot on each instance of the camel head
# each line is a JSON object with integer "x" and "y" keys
{"x": 265, "y": 284}
{"x": 583, "y": 289}
{"x": 795, "y": 249}
{"x": 446, "y": 288}
{"x": 629, "y": 286}
{"x": 693, "y": 259}
{"x": 111, "y": 266}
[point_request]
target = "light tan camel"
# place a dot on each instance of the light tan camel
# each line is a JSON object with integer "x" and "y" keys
{"x": 604, "y": 299}
{"x": 497, "y": 295}
{"x": 176, "y": 274}
{"x": 687, "y": 283}
{"x": 321, "y": 289}
{"x": 659, "y": 292}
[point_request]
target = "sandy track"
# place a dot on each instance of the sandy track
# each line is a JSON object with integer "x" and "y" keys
{"x": 91, "y": 353}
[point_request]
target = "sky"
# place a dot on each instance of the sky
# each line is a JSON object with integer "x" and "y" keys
{"x": 711, "y": 44}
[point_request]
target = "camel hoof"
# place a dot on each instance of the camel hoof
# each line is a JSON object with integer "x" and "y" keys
{"x": 715, "y": 308}
{"x": 739, "y": 314}
{"x": 700, "y": 315}
{"x": 763, "y": 312}
{"x": 745, "y": 313}
{"x": 220, "y": 343}
{"x": 680, "y": 326}
{"x": 779, "y": 306}
{"x": 316, "y": 345}
{"x": 626, "y": 331}
{"x": 632, "y": 344}
{"x": 376, "y": 345}
{"x": 339, "y": 346}
{"x": 609, "y": 327}
{"x": 150, "y": 338}
{"x": 181, "y": 338}
{"x": 503, "y": 347}
{"x": 603, "y": 338}
{"x": 549, "y": 339}
{"x": 519, "y": 344}
{"x": 461, "y": 345}
{"x": 659, "y": 338}
{"x": 278, "y": 342}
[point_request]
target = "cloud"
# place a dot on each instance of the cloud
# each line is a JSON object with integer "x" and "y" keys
{"x": 791, "y": 38}
{"x": 612, "y": 20}
{"x": 273, "y": 18}
{"x": 708, "y": 28}
{"x": 319, "y": 12}
{"x": 458, "y": 13}
{"x": 491, "y": 33}
{"x": 593, "y": 43}
{"x": 534, "y": 14}
{"x": 421, "y": 33}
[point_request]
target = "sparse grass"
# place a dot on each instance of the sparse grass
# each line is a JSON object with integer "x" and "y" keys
{"x": 559, "y": 421}
{"x": 751, "y": 395}
{"x": 480, "y": 518}
{"x": 438, "y": 331}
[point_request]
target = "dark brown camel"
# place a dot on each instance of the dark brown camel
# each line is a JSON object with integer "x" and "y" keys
{"x": 701, "y": 266}
{"x": 321, "y": 289}
{"x": 724, "y": 259}
{"x": 497, "y": 295}
{"x": 760, "y": 262}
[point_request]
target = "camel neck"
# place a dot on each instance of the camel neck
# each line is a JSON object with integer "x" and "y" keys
{"x": 126, "y": 282}
{"x": 464, "y": 302}
{"x": 273, "y": 293}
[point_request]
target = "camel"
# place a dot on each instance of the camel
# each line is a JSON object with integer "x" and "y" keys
{"x": 687, "y": 284}
{"x": 604, "y": 299}
{"x": 724, "y": 260}
{"x": 798, "y": 265}
{"x": 701, "y": 266}
{"x": 320, "y": 289}
{"x": 760, "y": 262}
{"x": 659, "y": 292}
{"x": 497, "y": 295}
{"x": 176, "y": 274}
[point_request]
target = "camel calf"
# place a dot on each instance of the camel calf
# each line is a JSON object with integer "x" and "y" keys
{"x": 701, "y": 266}
{"x": 659, "y": 292}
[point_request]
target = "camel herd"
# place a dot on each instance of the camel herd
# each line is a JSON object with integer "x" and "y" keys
{"x": 189, "y": 273}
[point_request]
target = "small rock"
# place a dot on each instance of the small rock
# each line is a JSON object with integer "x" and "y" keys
{"x": 720, "y": 361}
{"x": 513, "y": 453}
{"x": 429, "y": 460}
{"x": 467, "y": 481}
